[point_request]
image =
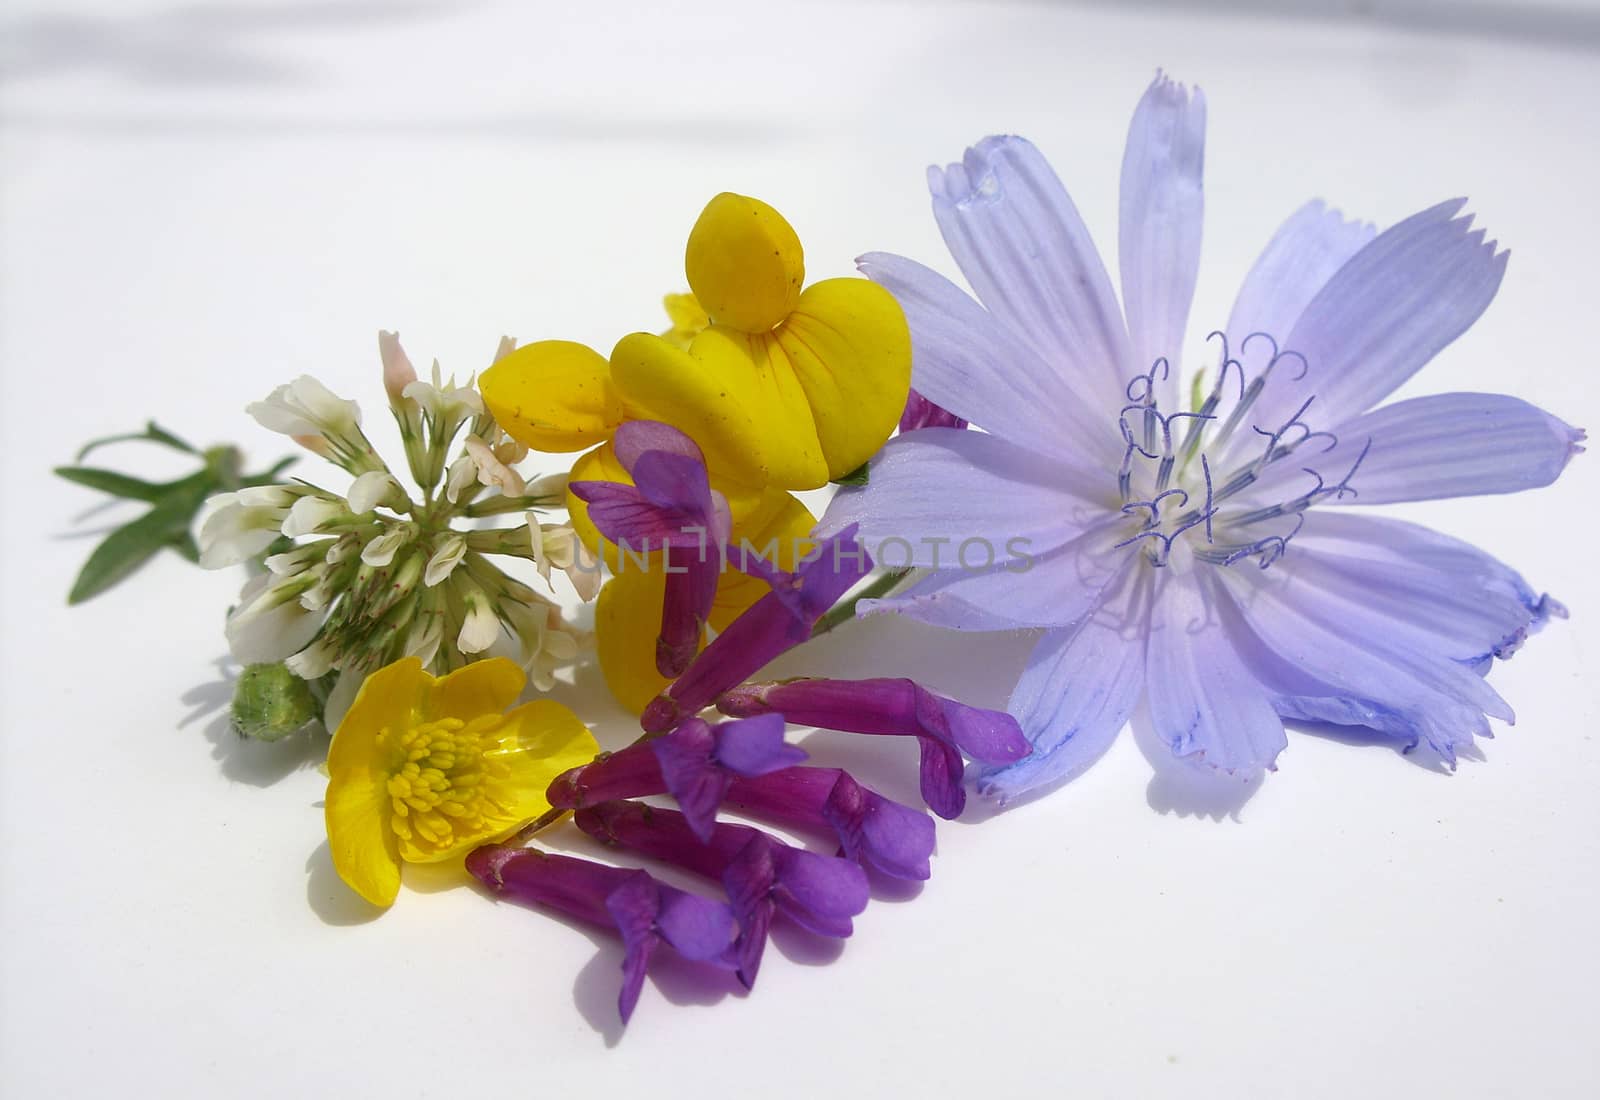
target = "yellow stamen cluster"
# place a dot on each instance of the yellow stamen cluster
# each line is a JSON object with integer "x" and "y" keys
{"x": 442, "y": 781}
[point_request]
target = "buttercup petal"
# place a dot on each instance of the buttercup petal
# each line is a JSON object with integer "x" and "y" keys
{"x": 483, "y": 687}
{"x": 386, "y": 699}
{"x": 364, "y": 849}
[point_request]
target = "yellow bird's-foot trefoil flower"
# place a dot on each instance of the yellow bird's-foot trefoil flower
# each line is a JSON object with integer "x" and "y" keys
{"x": 422, "y": 770}
{"x": 780, "y": 384}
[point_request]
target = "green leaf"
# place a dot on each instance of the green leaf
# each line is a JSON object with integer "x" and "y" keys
{"x": 128, "y": 547}
{"x": 152, "y": 433}
{"x": 118, "y": 485}
{"x": 858, "y": 476}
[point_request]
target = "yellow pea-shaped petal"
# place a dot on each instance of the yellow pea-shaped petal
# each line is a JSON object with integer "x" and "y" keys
{"x": 599, "y": 464}
{"x": 744, "y": 263}
{"x": 627, "y": 621}
{"x": 849, "y": 346}
{"x": 688, "y": 319}
{"x": 779, "y": 531}
{"x": 553, "y": 395}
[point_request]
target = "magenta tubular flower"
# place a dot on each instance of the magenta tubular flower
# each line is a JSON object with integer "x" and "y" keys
{"x": 1208, "y": 559}
{"x": 875, "y": 831}
{"x": 945, "y": 729}
{"x": 922, "y": 413}
{"x": 645, "y": 912}
{"x": 695, "y": 763}
{"x": 774, "y": 624}
{"x": 762, "y": 875}
{"x": 671, "y": 507}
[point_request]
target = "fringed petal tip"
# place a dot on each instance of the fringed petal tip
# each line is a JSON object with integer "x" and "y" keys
{"x": 974, "y": 180}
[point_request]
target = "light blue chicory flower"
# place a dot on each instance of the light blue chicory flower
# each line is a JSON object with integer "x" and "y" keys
{"x": 1169, "y": 549}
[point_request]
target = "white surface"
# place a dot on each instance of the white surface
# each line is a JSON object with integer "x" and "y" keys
{"x": 197, "y": 206}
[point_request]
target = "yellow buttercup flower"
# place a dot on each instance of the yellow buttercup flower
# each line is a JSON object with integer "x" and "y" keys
{"x": 422, "y": 769}
{"x": 785, "y": 387}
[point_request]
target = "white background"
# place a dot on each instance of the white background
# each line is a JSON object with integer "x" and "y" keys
{"x": 200, "y": 202}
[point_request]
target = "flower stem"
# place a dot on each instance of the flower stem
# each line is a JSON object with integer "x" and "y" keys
{"x": 845, "y": 609}
{"x": 538, "y": 824}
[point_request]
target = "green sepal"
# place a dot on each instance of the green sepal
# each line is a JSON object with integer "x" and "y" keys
{"x": 858, "y": 476}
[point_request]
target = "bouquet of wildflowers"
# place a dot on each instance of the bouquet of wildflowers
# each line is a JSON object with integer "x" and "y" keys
{"x": 1198, "y": 548}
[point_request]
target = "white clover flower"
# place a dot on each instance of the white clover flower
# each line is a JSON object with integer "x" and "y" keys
{"x": 545, "y": 641}
{"x": 442, "y": 401}
{"x": 444, "y": 560}
{"x": 398, "y": 373}
{"x": 374, "y": 488}
{"x": 463, "y": 472}
{"x": 292, "y": 562}
{"x": 481, "y": 626}
{"x": 239, "y": 525}
{"x": 491, "y": 471}
{"x": 313, "y": 662}
{"x": 305, "y": 407}
{"x": 269, "y": 623}
{"x": 557, "y": 546}
{"x": 381, "y": 550}
{"x": 313, "y": 515}
{"x": 380, "y": 574}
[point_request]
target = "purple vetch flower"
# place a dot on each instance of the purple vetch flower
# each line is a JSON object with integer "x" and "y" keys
{"x": 695, "y": 763}
{"x": 922, "y": 413}
{"x": 1172, "y": 551}
{"x": 645, "y": 912}
{"x": 774, "y": 624}
{"x": 876, "y": 832}
{"x": 671, "y": 507}
{"x": 762, "y": 875}
{"x": 945, "y": 729}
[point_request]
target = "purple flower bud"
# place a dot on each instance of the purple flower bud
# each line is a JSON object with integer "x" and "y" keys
{"x": 629, "y": 773}
{"x": 761, "y": 874}
{"x": 645, "y": 912}
{"x": 875, "y": 831}
{"x": 922, "y": 413}
{"x": 670, "y": 506}
{"x": 774, "y": 624}
{"x": 944, "y": 728}
{"x": 694, "y": 763}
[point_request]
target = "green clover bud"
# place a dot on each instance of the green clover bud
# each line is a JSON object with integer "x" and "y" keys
{"x": 270, "y": 702}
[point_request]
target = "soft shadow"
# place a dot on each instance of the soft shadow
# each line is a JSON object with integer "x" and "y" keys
{"x": 595, "y": 990}
{"x": 978, "y": 668}
{"x": 586, "y": 695}
{"x": 802, "y": 946}
{"x": 244, "y": 759}
{"x": 330, "y": 899}
{"x": 885, "y": 888}
{"x": 1185, "y": 788}
{"x": 1421, "y": 756}
{"x": 887, "y": 764}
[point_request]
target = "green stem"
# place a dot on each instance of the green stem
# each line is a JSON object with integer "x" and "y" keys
{"x": 845, "y": 609}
